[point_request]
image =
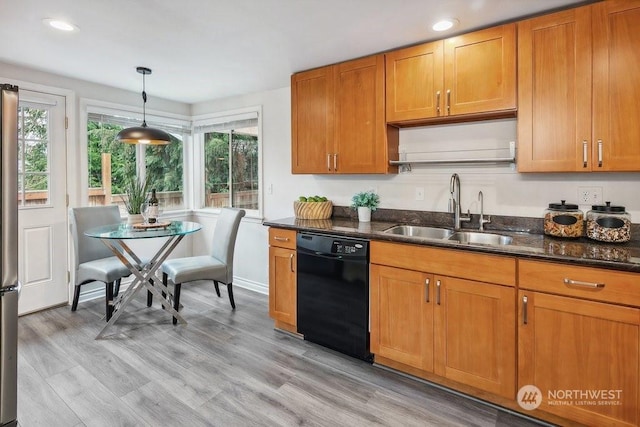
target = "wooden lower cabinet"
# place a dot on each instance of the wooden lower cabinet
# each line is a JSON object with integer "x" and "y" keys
{"x": 475, "y": 334}
{"x": 584, "y": 356}
{"x": 282, "y": 278}
{"x": 458, "y": 329}
{"x": 402, "y": 316}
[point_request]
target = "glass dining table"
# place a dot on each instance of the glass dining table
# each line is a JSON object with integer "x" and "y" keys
{"x": 116, "y": 236}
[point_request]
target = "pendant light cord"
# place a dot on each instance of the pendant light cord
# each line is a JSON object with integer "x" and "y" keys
{"x": 144, "y": 102}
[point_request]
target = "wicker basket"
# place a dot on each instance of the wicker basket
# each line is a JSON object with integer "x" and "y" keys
{"x": 313, "y": 210}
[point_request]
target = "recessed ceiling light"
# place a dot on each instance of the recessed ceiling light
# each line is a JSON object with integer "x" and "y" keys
{"x": 60, "y": 25}
{"x": 445, "y": 24}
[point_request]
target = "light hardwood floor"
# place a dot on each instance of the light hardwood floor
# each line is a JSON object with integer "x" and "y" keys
{"x": 225, "y": 368}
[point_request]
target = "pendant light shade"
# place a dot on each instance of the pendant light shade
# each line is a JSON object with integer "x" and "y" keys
{"x": 143, "y": 134}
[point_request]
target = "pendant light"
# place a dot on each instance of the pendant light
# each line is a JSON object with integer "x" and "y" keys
{"x": 143, "y": 134}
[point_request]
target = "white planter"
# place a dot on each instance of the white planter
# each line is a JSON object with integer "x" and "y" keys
{"x": 135, "y": 219}
{"x": 364, "y": 214}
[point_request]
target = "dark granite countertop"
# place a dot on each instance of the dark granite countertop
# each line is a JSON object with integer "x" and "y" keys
{"x": 527, "y": 243}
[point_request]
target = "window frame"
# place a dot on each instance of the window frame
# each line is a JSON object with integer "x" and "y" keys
{"x": 199, "y": 157}
{"x": 92, "y": 106}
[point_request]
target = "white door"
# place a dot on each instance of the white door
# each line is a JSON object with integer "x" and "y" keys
{"x": 42, "y": 201}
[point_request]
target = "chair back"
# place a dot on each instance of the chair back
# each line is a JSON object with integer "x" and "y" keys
{"x": 224, "y": 237}
{"x": 81, "y": 219}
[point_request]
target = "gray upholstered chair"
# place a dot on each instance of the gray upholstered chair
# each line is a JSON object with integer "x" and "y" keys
{"x": 217, "y": 267}
{"x": 94, "y": 262}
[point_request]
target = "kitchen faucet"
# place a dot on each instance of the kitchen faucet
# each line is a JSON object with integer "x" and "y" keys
{"x": 482, "y": 221}
{"x": 454, "y": 202}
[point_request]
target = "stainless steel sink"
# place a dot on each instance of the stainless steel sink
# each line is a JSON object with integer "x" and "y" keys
{"x": 417, "y": 231}
{"x": 480, "y": 238}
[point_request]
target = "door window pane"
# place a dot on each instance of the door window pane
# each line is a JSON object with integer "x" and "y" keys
{"x": 33, "y": 156}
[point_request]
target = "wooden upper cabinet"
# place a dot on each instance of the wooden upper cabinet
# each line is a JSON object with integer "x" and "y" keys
{"x": 415, "y": 82}
{"x": 360, "y": 127}
{"x": 473, "y": 74}
{"x": 338, "y": 119}
{"x": 312, "y": 115}
{"x": 577, "y": 99}
{"x": 616, "y": 86}
{"x": 554, "y": 92}
{"x": 480, "y": 71}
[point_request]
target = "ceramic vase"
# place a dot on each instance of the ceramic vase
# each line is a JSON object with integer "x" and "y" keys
{"x": 364, "y": 214}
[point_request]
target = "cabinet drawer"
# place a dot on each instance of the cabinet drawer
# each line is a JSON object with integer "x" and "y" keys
{"x": 582, "y": 282}
{"x": 448, "y": 262}
{"x": 282, "y": 238}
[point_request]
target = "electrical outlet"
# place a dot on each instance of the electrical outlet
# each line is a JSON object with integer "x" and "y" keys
{"x": 590, "y": 195}
{"x": 419, "y": 193}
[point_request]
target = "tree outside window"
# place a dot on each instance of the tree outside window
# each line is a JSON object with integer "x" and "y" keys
{"x": 231, "y": 168}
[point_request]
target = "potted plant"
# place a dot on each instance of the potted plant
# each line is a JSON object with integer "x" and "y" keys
{"x": 366, "y": 202}
{"x": 135, "y": 196}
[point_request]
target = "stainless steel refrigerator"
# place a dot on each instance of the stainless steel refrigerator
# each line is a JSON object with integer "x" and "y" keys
{"x": 9, "y": 286}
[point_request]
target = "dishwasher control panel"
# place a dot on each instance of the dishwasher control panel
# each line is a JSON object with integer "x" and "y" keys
{"x": 323, "y": 244}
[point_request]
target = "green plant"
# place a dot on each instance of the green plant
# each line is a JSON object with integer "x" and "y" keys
{"x": 368, "y": 199}
{"x": 136, "y": 195}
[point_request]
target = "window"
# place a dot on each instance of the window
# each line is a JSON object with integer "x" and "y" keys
{"x": 33, "y": 155}
{"x": 231, "y": 161}
{"x": 112, "y": 164}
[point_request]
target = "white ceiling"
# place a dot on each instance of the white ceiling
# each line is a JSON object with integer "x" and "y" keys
{"x": 202, "y": 50}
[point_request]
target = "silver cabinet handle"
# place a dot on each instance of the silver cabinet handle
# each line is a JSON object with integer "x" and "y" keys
{"x": 525, "y": 301}
{"x": 448, "y": 102}
{"x": 591, "y": 285}
{"x": 281, "y": 239}
{"x": 291, "y": 262}
{"x": 584, "y": 153}
{"x": 599, "y": 153}
{"x": 426, "y": 290}
{"x": 335, "y": 162}
{"x": 438, "y": 292}
{"x": 329, "y": 161}
{"x": 438, "y": 102}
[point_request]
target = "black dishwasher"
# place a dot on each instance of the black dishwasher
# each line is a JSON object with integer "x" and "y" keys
{"x": 333, "y": 292}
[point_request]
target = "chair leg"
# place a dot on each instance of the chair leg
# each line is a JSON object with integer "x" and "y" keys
{"x": 109, "y": 300}
{"x": 150, "y": 295}
{"x": 116, "y": 289}
{"x": 176, "y": 299}
{"x": 230, "y": 290}
{"x": 215, "y": 284}
{"x": 76, "y": 296}
{"x": 165, "y": 280}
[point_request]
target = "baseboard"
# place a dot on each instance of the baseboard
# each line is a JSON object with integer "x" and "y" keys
{"x": 251, "y": 285}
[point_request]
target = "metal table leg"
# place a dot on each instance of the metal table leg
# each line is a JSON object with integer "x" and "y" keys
{"x": 142, "y": 277}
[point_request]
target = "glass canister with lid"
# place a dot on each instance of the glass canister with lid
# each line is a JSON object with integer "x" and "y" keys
{"x": 607, "y": 223}
{"x": 563, "y": 220}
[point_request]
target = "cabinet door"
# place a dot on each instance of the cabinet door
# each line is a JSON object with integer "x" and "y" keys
{"x": 475, "y": 334}
{"x": 402, "y": 316}
{"x": 480, "y": 71}
{"x": 360, "y": 125}
{"x": 554, "y": 92}
{"x": 567, "y": 344}
{"x": 616, "y": 85}
{"x": 415, "y": 80}
{"x": 312, "y": 116}
{"x": 282, "y": 285}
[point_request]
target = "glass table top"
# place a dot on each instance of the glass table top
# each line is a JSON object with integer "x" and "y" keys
{"x": 128, "y": 231}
